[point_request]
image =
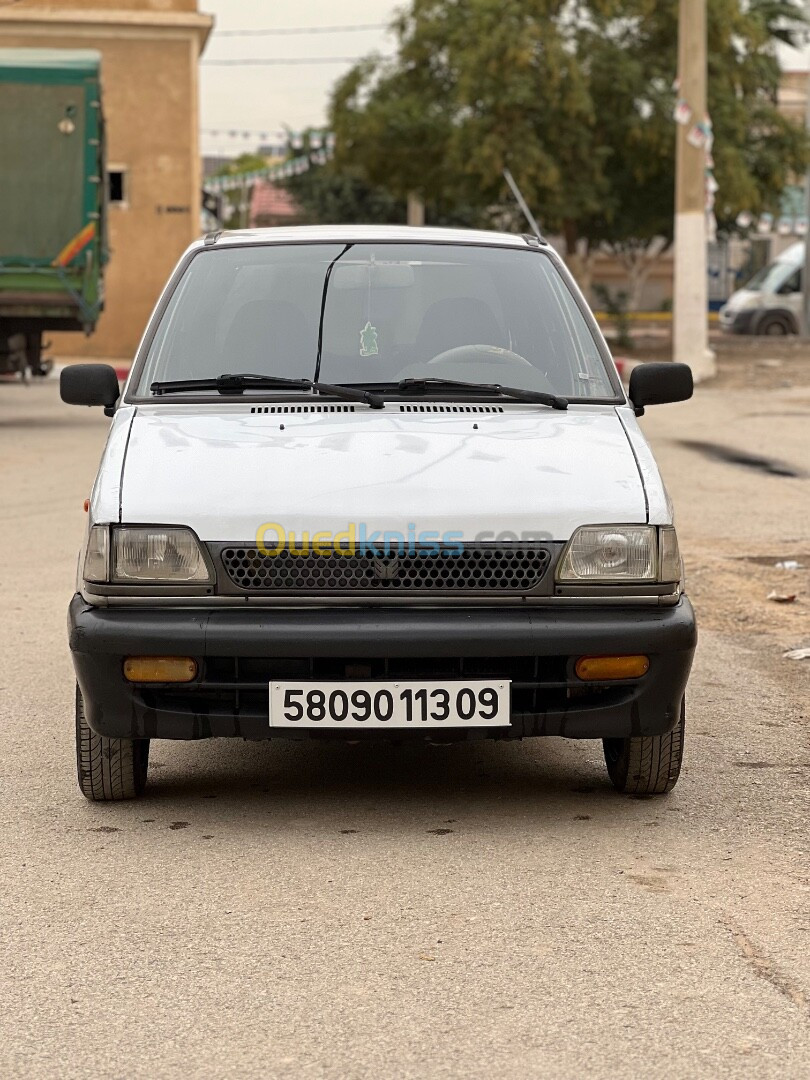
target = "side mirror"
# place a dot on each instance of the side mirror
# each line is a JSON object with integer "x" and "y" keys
{"x": 89, "y": 384}
{"x": 657, "y": 384}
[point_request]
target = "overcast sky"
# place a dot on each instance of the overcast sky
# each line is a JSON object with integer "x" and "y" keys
{"x": 265, "y": 99}
{"x": 268, "y": 98}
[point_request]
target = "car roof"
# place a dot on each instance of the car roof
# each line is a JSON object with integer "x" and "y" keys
{"x": 343, "y": 234}
{"x": 792, "y": 254}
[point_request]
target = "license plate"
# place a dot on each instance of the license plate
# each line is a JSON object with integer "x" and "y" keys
{"x": 400, "y": 704}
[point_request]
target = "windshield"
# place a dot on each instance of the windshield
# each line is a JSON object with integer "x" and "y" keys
{"x": 391, "y": 312}
{"x": 772, "y": 277}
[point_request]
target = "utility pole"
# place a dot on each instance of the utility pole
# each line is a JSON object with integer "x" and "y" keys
{"x": 690, "y": 337}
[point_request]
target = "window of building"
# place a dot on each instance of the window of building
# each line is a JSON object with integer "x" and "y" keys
{"x": 117, "y": 186}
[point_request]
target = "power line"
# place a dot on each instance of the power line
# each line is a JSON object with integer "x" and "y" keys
{"x": 264, "y": 62}
{"x": 279, "y": 31}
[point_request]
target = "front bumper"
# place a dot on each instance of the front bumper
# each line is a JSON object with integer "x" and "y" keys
{"x": 240, "y": 650}
{"x": 738, "y": 322}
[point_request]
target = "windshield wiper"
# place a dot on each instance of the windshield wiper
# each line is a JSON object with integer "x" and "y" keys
{"x": 535, "y": 396}
{"x": 229, "y": 384}
{"x": 327, "y": 276}
{"x": 237, "y": 384}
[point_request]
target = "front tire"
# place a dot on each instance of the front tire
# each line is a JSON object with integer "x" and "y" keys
{"x": 109, "y": 769}
{"x": 646, "y": 764}
{"x": 773, "y": 326}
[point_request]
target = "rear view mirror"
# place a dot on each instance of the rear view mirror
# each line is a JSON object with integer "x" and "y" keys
{"x": 89, "y": 384}
{"x": 376, "y": 275}
{"x": 657, "y": 384}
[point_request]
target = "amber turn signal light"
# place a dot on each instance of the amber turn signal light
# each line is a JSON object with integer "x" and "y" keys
{"x": 597, "y": 668}
{"x": 160, "y": 669}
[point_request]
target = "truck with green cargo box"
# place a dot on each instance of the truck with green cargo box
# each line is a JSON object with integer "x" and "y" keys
{"x": 52, "y": 200}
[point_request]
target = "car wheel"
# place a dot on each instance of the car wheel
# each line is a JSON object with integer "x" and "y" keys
{"x": 646, "y": 764}
{"x": 774, "y": 326}
{"x": 109, "y": 769}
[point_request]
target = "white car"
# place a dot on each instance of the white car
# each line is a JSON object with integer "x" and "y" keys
{"x": 370, "y": 482}
{"x": 771, "y": 302}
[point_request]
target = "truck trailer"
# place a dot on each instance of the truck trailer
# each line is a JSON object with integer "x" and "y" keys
{"x": 53, "y": 244}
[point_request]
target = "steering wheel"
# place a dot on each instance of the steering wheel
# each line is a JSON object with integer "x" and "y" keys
{"x": 483, "y": 354}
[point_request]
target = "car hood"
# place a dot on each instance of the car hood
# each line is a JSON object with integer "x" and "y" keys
{"x": 743, "y": 298}
{"x": 225, "y": 470}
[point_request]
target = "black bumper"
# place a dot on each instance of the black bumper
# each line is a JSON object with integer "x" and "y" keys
{"x": 742, "y": 322}
{"x": 240, "y": 650}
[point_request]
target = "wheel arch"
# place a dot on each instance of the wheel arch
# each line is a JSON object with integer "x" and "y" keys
{"x": 784, "y": 315}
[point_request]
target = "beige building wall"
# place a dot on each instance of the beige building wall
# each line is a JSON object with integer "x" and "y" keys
{"x": 150, "y": 51}
{"x": 793, "y": 95}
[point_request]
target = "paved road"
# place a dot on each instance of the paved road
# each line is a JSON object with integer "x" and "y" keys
{"x": 495, "y": 911}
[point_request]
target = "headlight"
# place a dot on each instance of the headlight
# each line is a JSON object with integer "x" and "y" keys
{"x": 610, "y": 553}
{"x": 141, "y": 556}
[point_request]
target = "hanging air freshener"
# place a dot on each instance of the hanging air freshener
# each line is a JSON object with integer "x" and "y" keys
{"x": 368, "y": 340}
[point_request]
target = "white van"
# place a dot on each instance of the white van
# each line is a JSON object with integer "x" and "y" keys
{"x": 771, "y": 302}
{"x": 372, "y": 482}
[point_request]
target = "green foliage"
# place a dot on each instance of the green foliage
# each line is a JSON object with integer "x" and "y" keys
{"x": 245, "y": 163}
{"x": 615, "y": 305}
{"x": 469, "y": 94}
{"x": 576, "y": 99}
{"x": 334, "y": 194}
{"x": 756, "y": 147}
{"x": 328, "y": 196}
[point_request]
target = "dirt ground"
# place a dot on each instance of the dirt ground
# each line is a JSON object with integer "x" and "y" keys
{"x": 743, "y": 362}
{"x": 730, "y": 582}
{"x": 732, "y": 593}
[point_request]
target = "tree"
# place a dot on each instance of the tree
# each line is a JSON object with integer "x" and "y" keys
{"x": 330, "y": 194}
{"x": 460, "y": 102}
{"x": 630, "y": 63}
{"x": 576, "y": 98}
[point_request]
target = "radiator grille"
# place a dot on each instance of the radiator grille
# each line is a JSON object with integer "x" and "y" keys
{"x": 481, "y": 569}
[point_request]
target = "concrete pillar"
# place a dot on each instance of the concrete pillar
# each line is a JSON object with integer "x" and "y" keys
{"x": 416, "y": 209}
{"x": 690, "y": 336}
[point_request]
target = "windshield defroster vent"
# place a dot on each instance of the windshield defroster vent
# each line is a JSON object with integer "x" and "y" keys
{"x": 451, "y": 408}
{"x": 301, "y": 408}
{"x": 350, "y": 408}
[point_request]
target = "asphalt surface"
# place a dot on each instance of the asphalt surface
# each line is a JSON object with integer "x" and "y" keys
{"x": 488, "y": 911}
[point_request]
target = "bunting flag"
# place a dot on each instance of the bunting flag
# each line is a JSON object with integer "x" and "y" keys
{"x": 282, "y": 171}
{"x": 681, "y": 114}
{"x": 701, "y": 136}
